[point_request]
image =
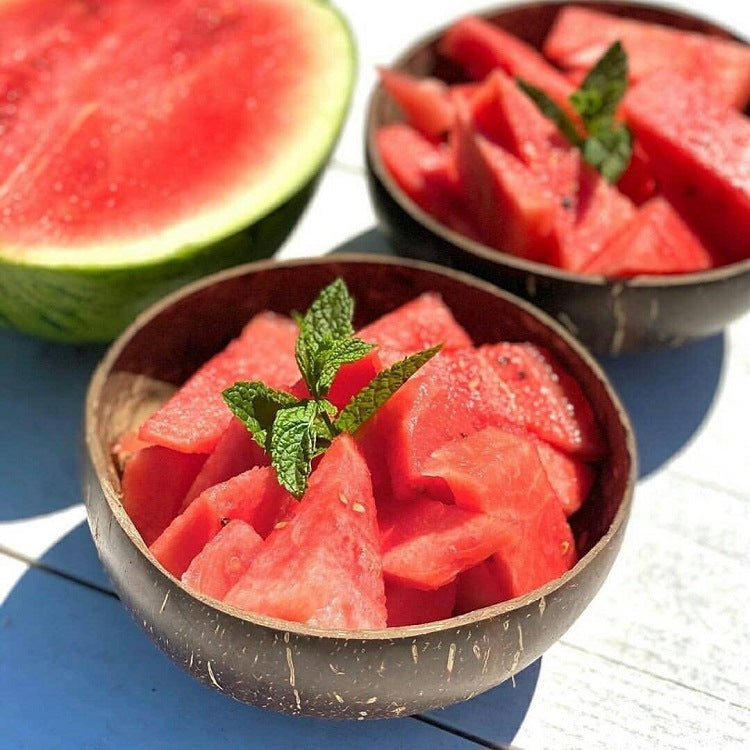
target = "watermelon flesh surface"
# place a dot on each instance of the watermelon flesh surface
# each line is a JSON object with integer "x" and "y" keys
{"x": 322, "y": 566}
{"x": 131, "y": 117}
{"x": 194, "y": 418}
{"x": 410, "y": 606}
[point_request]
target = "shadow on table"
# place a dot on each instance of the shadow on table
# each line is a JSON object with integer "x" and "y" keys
{"x": 667, "y": 395}
{"x": 42, "y": 390}
{"x": 84, "y": 674}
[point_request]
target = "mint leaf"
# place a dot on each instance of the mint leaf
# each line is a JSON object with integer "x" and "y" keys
{"x": 552, "y": 111}
{"x": 328, "y": 319}
{"x": 608, "y": 144}
{"x": 293, "y": 445}
{"x": 256, "y": 406}
{"x": 365, "y": 403}
{"x": 341, "y": 352}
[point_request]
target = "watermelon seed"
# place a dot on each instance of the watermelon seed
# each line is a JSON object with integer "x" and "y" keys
{"x": 343, "y": 498}
{"x": 280, "y": 525}
{"x": 358, "y": 508}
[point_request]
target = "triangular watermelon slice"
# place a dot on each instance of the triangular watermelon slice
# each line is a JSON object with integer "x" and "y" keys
{"x": 194, "y": 418}
{"x": 322, "y": 566}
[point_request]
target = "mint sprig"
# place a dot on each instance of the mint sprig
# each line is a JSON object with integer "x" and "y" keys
{"x": 295, "y": 431}
{"x": 607, "y": 144}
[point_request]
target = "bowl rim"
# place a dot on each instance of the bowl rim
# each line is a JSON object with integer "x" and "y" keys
{"x": 103, "y": 465}
{"x": 490, "y": 254}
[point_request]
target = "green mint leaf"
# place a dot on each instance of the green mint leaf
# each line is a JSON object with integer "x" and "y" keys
{"x": 256, "y": 406}
{"x": 552, "y": 111}
{"x": 328, "y": 319}
{"x": 609, "y": 151}
{"x": 365, "y": 403}
{"x": 294, "y": 444}
{"x": 603, "y": 87}
{"x": 339, "y": 353}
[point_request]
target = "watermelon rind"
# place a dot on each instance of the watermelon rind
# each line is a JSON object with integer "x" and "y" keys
{"x": 89, "y": 293}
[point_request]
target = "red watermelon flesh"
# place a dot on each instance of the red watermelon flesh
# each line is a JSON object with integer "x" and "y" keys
{"x": 154, "y": 484}
{"x": 580, "y": 36}
{"x": 129, "y": 114}
{"x": 254, "y": 496}
{"x": 502, "y": 475}
{"x": 418, "y": 324}
{"x": 194, "y": 418}
{"x": 221, "y": 563}
{"x": 513, "y": 211}
{"x": 571, "y": 478}
{"x": 235, "y": 453}
{"x": 656, "y": 241}
{"x": 425, "y": 102}
{"x": 426, "y": 543}
{"x": 323, "y": 565}
{"x": 410, "y": 606}
{"x": 482, "y": 586}
{"x": 700, "y": 154}
{"x": 480, "y": 47}
{"x": 637, "y": 182}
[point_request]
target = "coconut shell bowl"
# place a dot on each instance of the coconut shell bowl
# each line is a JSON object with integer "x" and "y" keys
{"x": 609, "y": 315}
{"x": 298, "y": 669}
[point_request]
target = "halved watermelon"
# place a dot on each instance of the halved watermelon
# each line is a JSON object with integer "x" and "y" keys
{"x": 195, "y": 417}
{"x": 580, "y": 36}
{"x": 149, "y": 143}
{"x": 322, "y": 566}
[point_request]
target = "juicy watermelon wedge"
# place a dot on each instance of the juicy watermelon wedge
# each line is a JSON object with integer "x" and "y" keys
{"x": 699, "y": 150}
{"x": 580, "y": 36}
{"x": 194, "y": 418}
{"x": 221, "y": 563}
{"x": 130, "y": 168}
{"x": 322, "y": 566}
{"x": 254, "y": 496}
{"x": 154, "y": 484}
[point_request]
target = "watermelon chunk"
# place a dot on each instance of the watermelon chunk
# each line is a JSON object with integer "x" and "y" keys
{"x": 513, "y": 210}
{"x": 254, "y": 496}
{"x": 580, "y": 36}
{"x": 194, "y": 418}
{"x": 480, "y": 47}
{"x": 637, "y": 182}
{"x": 482, "y": 586}
{"x": 221, "y": 563}
{"x": 700, "y": 151}
{"x": 154, "y": 485}
{"x": 570, "y": 478}
{"x": 427, "y": 543}
{"x": 323, "y": 565}
{"x": 418, "y": 324}
{"x": 235, "y": 453}
{"x": 425, "y": 102}
{"x": 410, "y": 606}
{"x": 656, "y": 241}
{"x": 501, "y": 474}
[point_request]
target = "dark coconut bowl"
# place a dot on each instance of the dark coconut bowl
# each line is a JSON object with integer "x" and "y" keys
{"x": 295, "y": 668}
{"x": 609, "y": 316}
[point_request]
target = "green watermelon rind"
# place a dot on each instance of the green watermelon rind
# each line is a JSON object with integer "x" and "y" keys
{"x": 91, "y": 294}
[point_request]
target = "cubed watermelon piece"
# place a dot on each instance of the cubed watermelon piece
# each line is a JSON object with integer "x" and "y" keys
{"x": 580, "y": 36}
{"x": 323, "y": 565}
{"x": 656, "y": 241}
{"x": 425, "y": 102}
{"x": 480, "y": 47}
{"x": 254, "y": 496}
{"x": 410, "y": 606}
{"x": 221, "y": 563}
{"x": 235, "y": 453}
{"x": 512, "y": 209}
{"x": 427, "y": 543}
{"x": 600, "y": 211}
{"x": 194, "y": 418}
{"x": 513, "y": 386}
{"x": 502, "y": 475}
{"x": 154, "y": 484}
{"x": 571, "y": 478}
{"x": 700, "y": 152}
{"x": 421, "y": 323}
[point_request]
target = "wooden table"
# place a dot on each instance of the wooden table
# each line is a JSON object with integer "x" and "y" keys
{"x": 659, "y": 660}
